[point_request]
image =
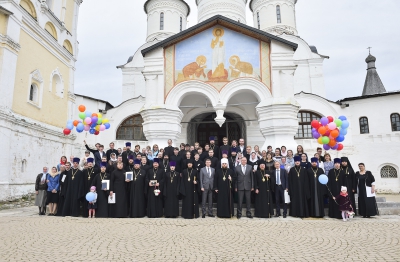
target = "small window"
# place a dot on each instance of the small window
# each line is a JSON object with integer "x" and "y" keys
{"x": 364, "y": 128}
{"x": 278, "y": 14}
{"x": 131, "y": 129}
{"x": 258, "y": 20}
{"x": 162, "y": 21}
{"x": 33, "y": 93}
{"x": 23, "y": 165}
{"x": 304, "y": 129}
{"x": 395, "y": 120}
{"x": 181, "y": 25}
{"x": 388, "y": 172}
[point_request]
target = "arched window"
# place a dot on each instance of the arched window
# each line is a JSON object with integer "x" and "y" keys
{"x": 278, "y": 14}
{"x": 258, "y": 20}
{"x": 364, "y": 127}
{"x": 162, "y": 21}
{"x": 131, "y": 129}
{"x": 49, "y": 27}
{"x": 305, "y": 118}
{"x": 33, "y": 93}
{"x": 388, "y": 172}
{"x": 181, "y": 24}
{"x": 57, "y": 85}
{"x": 67, "y": 45}
{"x": 395, "y": 120}
{"x": 28, "y": 7}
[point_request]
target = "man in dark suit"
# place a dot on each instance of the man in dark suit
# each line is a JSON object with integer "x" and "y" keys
{"x": 207, "y": 174}
{"x": 280, "y": 184}
{"x": 244, "y": 185}
{"x": 98, "y": 154}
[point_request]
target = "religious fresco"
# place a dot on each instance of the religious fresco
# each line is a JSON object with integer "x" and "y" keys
{"x": 217, "y": 56}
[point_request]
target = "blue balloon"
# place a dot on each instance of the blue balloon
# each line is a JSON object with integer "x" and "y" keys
{"x": 93, "y": 125}
{"x": 343, "y": 132}
{"x": 340, "y": 138}
{"x": 345, "y": 124}
{"x": 80, "y": 126}
{"x": 323, "y": 179}
{"x": 92, "y": 131}
{"x": 70, "y": 126}
{"x": 90, "y": 196}
{"x": 342, "y": 118}
{"x": 107, "y": 125}
{"x": 69, "y": 121}
{"x": 88, "y": 114}
{"x": 79, "y": 130}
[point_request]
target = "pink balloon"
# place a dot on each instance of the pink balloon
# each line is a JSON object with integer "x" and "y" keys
{"x": 88, "y": 120}
{"x": 332, "y": 125}
{"x": 102, "y": 127}
{"x": 86, "y": 128}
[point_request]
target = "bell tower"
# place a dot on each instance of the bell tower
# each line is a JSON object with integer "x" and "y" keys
{"x": 233, "y": 9}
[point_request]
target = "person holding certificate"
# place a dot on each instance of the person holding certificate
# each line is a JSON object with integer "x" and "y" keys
{"x": 155, "y": 182}
{"x": 102, "y": 183}
{"x": 136, "y": 191}
{"x": 118, "y": 192}
{"x": 366, "y": 193}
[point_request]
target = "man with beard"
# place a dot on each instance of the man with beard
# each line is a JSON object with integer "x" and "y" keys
{"x": 154, "y": 180}
{"x": 171, "y": 192}
{"x": 165, "y": 164}
{"x": 232, "y": 159}
{"x": 214, "y": 147}
{"x": 127, "y": 153}
{"x": 188, "y": 188}
{"x": 222, "y": 186}
{"x": 88, "y": 176}
{"x": 335, "y": 182}
{"x": 298, "y": 189}
{"x": 136, "y": 191}
{"x": 317, "y": 190}
{"x": 102, "y": 193}
{"x": 74, "y": 190}
{"x": 349, "y": 180}
{"x": 263, "y": 199}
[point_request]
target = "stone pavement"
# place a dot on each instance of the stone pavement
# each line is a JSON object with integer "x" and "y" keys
{"x": 25, "y": 236}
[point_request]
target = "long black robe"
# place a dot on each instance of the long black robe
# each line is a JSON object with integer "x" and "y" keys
{"x": 155, "y": 203}
{"x": 61, "y": 199}
{"x": 102, "y": 195}
{"x": 88, "y": 177}
{"x": 225, "y": 196}
{"x": 190, "y": 203}
{"x": 350, "y": 182}
{"x": 317, "y": 192}
{"x": 164, "y": 165}
{"x": 118, "y": 186}
{"x": 171, "y": 194}
{"x": 263, "y": 200}
{"x": 366, "y": 205}
{"x": 74, "y": 193}
{"x": 137, "y": 194}
{"x": 335, "y": 182}
{"x": 299, "y": 192}
{"x": 128, "y": 168}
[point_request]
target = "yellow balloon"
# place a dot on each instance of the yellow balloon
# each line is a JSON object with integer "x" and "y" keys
{"x": 320, "y": 140}
{"x": 99, "y": 115}
{"x": 97, "y": 128}
{"x": 105, "y": 120}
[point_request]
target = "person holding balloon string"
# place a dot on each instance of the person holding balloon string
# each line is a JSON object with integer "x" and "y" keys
{"x": 349, "y": 179}
{"x": 335, "y": 182}
{"x": 91, "y": 197}
{"x": 345, "y": 206}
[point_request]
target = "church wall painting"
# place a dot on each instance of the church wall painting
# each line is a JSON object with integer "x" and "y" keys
{"x": 217, "y": 56}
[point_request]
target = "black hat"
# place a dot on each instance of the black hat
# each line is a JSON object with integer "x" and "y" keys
{"x": 189, "y": 161}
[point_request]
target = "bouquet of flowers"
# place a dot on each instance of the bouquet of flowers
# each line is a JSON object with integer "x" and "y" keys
{"x": 157, "y": 191}
{"x": 351, "y": 214}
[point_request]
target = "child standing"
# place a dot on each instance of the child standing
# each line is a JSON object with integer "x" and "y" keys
{"x": 92, "y": 205}
{"x": 343, "y": 200}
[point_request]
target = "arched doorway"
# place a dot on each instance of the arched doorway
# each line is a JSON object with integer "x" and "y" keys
{"x": 203, "y": 126}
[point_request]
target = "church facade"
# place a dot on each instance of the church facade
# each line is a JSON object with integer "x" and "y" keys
{"x": 222, "y": 77}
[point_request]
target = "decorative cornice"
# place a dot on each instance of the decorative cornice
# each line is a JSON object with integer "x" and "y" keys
{"x": 281, "y": 29}
{"x": 179, "y": 5}
{"x": 7, "y": 41}
{"x": 71, "y": 96}
{"x": 37, "y": 76}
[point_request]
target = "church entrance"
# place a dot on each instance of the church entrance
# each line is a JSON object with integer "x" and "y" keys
{"x": 203, "y": 126}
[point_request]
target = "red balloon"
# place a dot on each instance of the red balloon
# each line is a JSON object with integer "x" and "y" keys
{"x": 328, "y": 132}
{"x": 322, "y": 130}
{"x": 315, "y": 124}
{"x": 340, "y": 147}
{"x": 330, "y": 119}
{"x": 66, "y": 131}
{"x": 96, "y": 133}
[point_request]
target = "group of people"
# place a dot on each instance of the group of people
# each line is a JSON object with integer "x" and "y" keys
{"x": 152, "y": 182}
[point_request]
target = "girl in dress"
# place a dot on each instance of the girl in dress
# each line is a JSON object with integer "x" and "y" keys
{"x": 92, "y": 206}
{"x": 344, "y": 203}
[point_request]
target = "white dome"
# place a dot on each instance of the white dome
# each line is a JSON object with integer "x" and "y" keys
{"x": 233, "y": 9}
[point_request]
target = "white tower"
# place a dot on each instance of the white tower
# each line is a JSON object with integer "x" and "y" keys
{"x": 233, "y": 9}
{"x": 165, "y": 18}
{"x": 275, "y": 16}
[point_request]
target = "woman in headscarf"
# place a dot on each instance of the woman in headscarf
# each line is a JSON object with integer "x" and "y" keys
{"x": 41, "y": 191}
{"x": 63, "y": 161}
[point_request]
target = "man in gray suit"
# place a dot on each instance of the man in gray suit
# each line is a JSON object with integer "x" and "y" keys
{"x": 207, "y": 174}
{"x": 244, "y": 185}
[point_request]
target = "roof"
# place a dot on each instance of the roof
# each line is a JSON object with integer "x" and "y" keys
{"x": 251, "y": 2}
{"x": 108, "y": 104}
{"x": 5, "y": 11}
{"x": 369, "y": 96}
{"x": 373, "y": 83}
{"x": 148, "y": 1}
{"x": 223, "y": 21}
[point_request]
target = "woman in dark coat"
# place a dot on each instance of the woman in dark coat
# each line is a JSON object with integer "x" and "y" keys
{"x": 118, "y": 186}
{"x": 102, "y": 194}
{"x": 365, "y": 181}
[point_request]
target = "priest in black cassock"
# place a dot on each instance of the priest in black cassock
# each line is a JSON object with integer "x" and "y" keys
{"x": 263, "y": 198}
{"x": 335, "y": 183}
{"x": 118, "y": 188}
{"x": 88, "y": 176}
{"x": 171, "y": 192}
{"x": 136, "y": 191}
{"x": 127, "y": 153}
{"x": 164, "y": 165}
{"x": 102, "y": 193}
{"x": 155, "y": 180}
{"x": 223, "y": 187}
{"x": 232, "y": 159}
{"x": 349, "y": 180}
{"x": 317, "y": 190}
{"x": 197, "y": 163}
{"x": 189, "y": 188}
{"x": 299, "y": 189}
{"x": 74, "y": 191}
{"x": 64, "y": 172}
{"x": 129, "y": 168}
{"x": 214, "y": 147}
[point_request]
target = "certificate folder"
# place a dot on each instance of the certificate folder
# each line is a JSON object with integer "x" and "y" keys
{"x": 105, "y": 185}
{"x": 129, "y": 176}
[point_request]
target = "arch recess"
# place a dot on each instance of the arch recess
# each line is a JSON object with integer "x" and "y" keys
{"x": 67, "y": 45}
{"x": 243, "y": 85}
{"x": 28, "y": 7}
{"x": 49, "y": 27}
{"x": 192, "y": 87}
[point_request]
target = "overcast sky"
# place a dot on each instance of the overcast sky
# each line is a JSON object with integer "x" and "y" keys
{"x": 109, "y": 33}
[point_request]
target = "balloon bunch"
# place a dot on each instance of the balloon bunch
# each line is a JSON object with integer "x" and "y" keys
{"x": 92, "y": 123}
{"x": 330, "y": 132}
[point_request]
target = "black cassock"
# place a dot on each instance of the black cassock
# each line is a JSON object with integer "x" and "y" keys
{"x": 299, "y": 192}
{"x": 317, "y": 192}
{"x": 171, "y": 194}
{"x": 155, "y": 203}
{"x": 225, "y": 196}
{"x": 102, "y": 195}
{"x": 88, "y": 177}
{"x": 263, "y": 200}
{"x": 190, "y": 203}
{"x": 61, "y": 199}
{"x": 137, "y": 194}
{"x": 350, "y": 182}
{"x": 118, "y": 186}
{"x": 74, "y": 193}
{"x": 335, "y": 182}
